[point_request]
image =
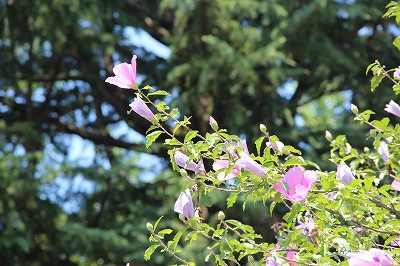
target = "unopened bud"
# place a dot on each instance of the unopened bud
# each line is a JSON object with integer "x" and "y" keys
{"x": 213, "y": 123}
{"x": 354, "y": 109}
{"x": 221, "y": 215}
{"x": 183, "y": 172}
{"x": 149, "y": 226}
{"x": 263, "y": 128}
{"x": 366, "y": 149}
{"x": 182, "y": 217}
{"x": 328, "y": 135}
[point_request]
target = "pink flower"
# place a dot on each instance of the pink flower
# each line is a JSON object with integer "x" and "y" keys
{"x": 182, "y": 160}
{"x": 384, "y": 151}
{"x": 310, "y": 230}
{"x": 139, "y": 107}
{"x": 396, "y": 73}
{"x": 221, "y": 164}
{"x": 396, "y": 185}
{"x": 277, "y": 146}
{"x": 250, "y": 165}
{"x": 393, "y": 108}
{"x": 297, "y": 185}
{"x": 344, "y": 173}
{"x": 372, "y": 257}
{"x": 277, "y": 261}
{"x": 224, "y": 163}
{"x": 184, "y": 204}
{"x": 125, "y": 75}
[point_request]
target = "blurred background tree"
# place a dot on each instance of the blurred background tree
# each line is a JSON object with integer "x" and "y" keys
{"x": 78, "y": 185}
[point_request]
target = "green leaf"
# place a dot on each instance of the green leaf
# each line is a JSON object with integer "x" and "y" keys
{"x": 150, "y": 250}
{"x": 295, "y": 161}
{"x": 291, "y": 216}
{"x": 381, "y": 124}
{"x": 341, "y": 242}
{"x": 205, "y": 198}
{"x": 192, "y": 236}
{"x": 190, "y": 135}
{"x": 152, "y": 137}
{"x": 366, "y": 114}
{"x": 173, "y": 142}
{"x": 231, "y": 200}
{"x": 164, "y": 232}
{"x": 369, "y": 67}
{"x": 160, "y": 92}
{"x": 178, "y": 236}
{"x": 258, "y": 143}
{"x": 375, "y": 81}
{"x": 155, "y": 225}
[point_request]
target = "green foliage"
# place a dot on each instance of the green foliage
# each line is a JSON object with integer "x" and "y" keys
{"x": 228, "y": 59}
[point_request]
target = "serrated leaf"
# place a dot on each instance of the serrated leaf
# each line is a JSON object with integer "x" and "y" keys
{"x": 190, "y": 135}
{"x": 149, "y": 251}
{"x": 231, "y": 200}
{"x": 150, "y": 138}
{"x": 375, "y": 81}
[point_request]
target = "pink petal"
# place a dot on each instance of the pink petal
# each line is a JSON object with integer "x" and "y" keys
{"x": 133, "y": 62}
{"x": 293, "y": 177}
{"x": 309, "y": 179}
{"x": 119, "y": 82}
{"x": 125, "y": 72}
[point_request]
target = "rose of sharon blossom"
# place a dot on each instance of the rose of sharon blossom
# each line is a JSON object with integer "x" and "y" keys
{"x": 372, "y": 257}
{"x": 125, "y": 75}
{"x": 396, "y": 73}
{"x": 393, "y": 108}
{"x": 250, "y": 165}
{"x": 184, "y": 204}
{"x": 395, "y": 185}
{"x": 344, "y": 174}
{"x": 139, "y": 107}
{"x": 224, "y": 163}
{"x": 297, "y": 184}
{"x": 383, "y": 151}
{"x": 221, "y": 164}
{"x": 182, "y": 160}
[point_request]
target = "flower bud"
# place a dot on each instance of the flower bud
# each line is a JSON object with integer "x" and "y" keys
{"x": 263, "y": 128}
{"x": 149, "y": 226}
{"x": 354, "y": 109}
{"x": 221, "y": 215}
{"x": 328, "y": 135}
{"x": 183, "y": 172}
{"x": 182, "y": 217}
{"x": 213, "y": 123}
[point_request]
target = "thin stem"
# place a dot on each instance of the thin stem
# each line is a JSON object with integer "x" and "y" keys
{"x": 167, "y": 248}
